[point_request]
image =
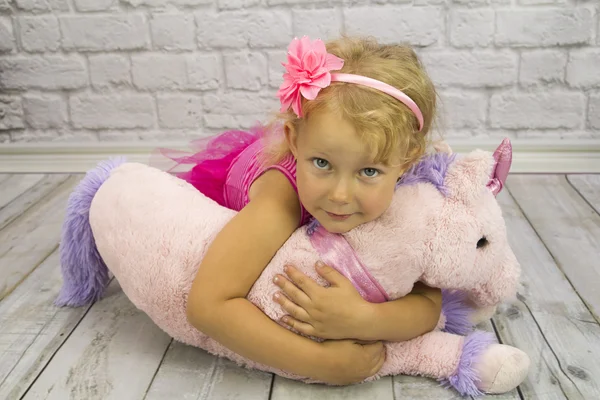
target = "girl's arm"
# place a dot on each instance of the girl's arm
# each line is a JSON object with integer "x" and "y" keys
{"x": 217, "y": 302}
{"x": 403, "y": 319}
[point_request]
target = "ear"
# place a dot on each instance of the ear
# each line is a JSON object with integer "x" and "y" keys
{"x": 291, "y": 137}
{"x": 469, "y": 175}
{"x": 503, "y": 161}
{"x": 442, "y": 147}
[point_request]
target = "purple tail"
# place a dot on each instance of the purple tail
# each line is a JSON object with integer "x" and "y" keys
{"x": 85, "y": 274}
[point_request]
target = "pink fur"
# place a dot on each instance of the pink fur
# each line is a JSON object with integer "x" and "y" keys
{"x": 153, "y": 229}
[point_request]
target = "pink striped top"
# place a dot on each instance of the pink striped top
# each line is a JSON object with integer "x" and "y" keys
{"x": 246, "y": 168}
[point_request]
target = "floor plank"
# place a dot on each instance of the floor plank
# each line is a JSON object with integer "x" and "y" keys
{"x": 32, "y": 328}
{"x": 549, "y": 322}
{"x": 113, "y": 354}
{"x": 418, "y": 388}
{"x": 287, "y": 389}
{"x": 12, "y": 186}
{"x": 115, "y": 351}
{"x": 27, "y": 198}
{"x": 588, "y": 186}
{"x": 568, "y": 226}
{"x": 31, "y": 237}
{"x": 192, "y": 373}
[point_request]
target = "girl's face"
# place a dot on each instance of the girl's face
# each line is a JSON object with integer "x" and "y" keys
{"x": 338, "y": 182}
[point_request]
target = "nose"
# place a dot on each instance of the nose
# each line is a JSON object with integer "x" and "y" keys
{"x": 341, "y": 192}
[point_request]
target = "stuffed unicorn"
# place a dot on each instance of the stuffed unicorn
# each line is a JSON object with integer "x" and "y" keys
{"x": 443, "y": 228}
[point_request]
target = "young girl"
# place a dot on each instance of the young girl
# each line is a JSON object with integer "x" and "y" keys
{"x": 355, "y": 115}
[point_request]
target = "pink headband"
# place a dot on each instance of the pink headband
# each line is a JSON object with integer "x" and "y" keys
{"x": 307, "y": 73}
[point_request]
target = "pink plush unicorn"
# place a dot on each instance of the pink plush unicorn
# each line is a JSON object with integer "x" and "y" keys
{"x": 444, "y": 228}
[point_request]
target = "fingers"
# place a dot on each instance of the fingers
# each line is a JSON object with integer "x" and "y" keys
{"x": 292, "y": 292}
{"x": 433, "y": 294}
{"x": 375, "y": 346}
{"x": 292, "y": 309}
{"x": 330, "y": 274}
{"x": 375, "y": 349}
{"x": 377, "y": 352}
{"x": 302, "y": 327}
{"x": 366, "y": 342}
{"x": 379, "y": 363}
{"x": 307, "y": 285}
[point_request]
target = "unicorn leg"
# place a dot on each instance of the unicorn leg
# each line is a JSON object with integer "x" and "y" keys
{"x": 501, "y": 368}
{"x": 479, "y": 315}
{"x": 456, "y": 314}
{"x": 472, "y": 365}
{"x": 460, "y": 314}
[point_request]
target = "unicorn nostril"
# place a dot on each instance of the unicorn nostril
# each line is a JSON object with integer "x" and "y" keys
{"x": 482, "y": 242}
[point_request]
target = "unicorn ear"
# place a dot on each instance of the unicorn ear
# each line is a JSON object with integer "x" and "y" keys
{"x": 479, "y": 169}
{"x": 468, "y": 175}
{"x": 442, "y": 147}
{"x": 503, "y": 161}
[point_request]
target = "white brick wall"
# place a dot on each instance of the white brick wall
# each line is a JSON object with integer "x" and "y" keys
{"x": 174, "y": 69}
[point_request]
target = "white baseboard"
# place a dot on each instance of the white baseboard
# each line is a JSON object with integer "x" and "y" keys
{"x": 529, "y": 155}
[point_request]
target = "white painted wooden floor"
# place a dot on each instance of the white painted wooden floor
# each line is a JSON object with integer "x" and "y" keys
{"x": 112, "y": 351}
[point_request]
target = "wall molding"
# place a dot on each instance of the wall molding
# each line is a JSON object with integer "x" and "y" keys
{"x": 529, "y": 155}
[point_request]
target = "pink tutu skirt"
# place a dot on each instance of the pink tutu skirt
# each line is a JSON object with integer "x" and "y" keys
{"x": 206, "y": 167}
{"x": 223, "y": 167}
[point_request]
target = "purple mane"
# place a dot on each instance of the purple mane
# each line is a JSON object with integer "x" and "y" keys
{"x": 432, "y": 169}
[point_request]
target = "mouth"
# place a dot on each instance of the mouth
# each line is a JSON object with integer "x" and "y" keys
{"x": 338, "y": 217}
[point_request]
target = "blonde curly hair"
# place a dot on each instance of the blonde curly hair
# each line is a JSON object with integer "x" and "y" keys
{"x": 384, "y": 123}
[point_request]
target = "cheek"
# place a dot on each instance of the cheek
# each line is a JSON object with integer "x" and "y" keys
{"x": 375, "y": 202}
{"x": 308, "y": 186}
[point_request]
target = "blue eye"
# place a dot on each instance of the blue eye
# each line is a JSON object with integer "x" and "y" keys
{"x": 320, "y": 163}
{"x": 370, "y": 172}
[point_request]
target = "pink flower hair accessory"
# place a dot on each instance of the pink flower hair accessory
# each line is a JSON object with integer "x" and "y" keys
{"x": 308, "y": 71}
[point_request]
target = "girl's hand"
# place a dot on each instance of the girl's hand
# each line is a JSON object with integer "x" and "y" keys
{"x": 334, "y": 312}
{"x": 347, "y": 362}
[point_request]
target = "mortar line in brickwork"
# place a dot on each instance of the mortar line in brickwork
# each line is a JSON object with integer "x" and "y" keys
{"x": 586, "y": 114}
{"x": 156, "y": 111}
{"x": 88, "y": 66}
{"x": 196, "y": 43}
{"x": 16, "y": 27}
{"x": 223, "y": 83}
{"x": 131, "y": 70}
{"x": 146, "y": 15}
{"x": 597, "y": 38}
{"x": 566, "y": 66}
{"x": 519, "y": 63}
{"x": 72, "y": 8}
{"x": 90, "y": 89}
{"x": 447, "y": 28}
{"x": 488, "y": 119}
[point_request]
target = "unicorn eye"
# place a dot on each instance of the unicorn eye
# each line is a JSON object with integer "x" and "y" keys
{"x": 482, "y": 242}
